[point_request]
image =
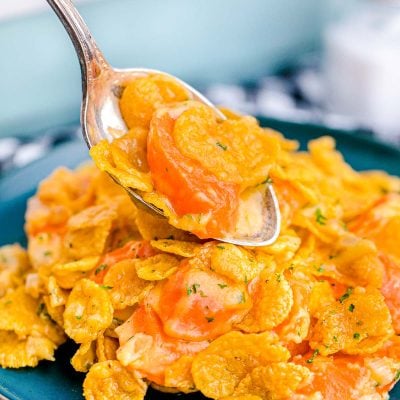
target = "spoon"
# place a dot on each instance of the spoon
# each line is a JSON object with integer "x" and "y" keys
{"x": 100, "y": 115}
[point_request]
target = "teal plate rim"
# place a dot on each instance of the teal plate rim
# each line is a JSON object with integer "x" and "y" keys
{"x": 58, "y": 380}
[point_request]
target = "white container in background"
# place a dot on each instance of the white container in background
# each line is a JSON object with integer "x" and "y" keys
{"x": 362, "y": 67}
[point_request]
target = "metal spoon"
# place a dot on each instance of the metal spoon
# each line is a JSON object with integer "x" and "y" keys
{"x": 100, "y": 115}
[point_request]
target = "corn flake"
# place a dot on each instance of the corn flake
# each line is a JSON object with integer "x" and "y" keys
{"x": 88, "y": 231}
{"x": 157, "y": 267}
{"x": 27, "y": 316}
{"x": 218, "y": 369}
{"x": 179, "y": 375}
{"x": 18, "y": 353}
{"x": 125, "y": 286}
{"x": 57, "y": 296}
{"x": 275, "y": 381}
{"x": 110, "y": 380}
{"x": 108, "y": 156}
{"x": 272, "y": 302}
{"x": 84, "y": 357}
{"x": 152, "y": 227}
{"x": 68, "y": 274}
{"x": 55, "y": 313}
{"x": 177, "y": 247}
{"x": 234, "y": 262}
{"x": 88, "y": 311}
{"x": 358, "y": 323}
{"x": 106, "y": 348}
{"x": 14, "y": 263}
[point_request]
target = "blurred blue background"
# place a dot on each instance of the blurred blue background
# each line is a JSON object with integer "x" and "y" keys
{"x": 200, "y": 41}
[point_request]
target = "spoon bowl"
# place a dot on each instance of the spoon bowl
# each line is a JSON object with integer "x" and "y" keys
{"x": 102, "y": 87}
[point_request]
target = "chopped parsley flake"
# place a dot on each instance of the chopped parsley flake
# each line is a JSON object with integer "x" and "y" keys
{"x": 356, "y": 336}
{"x": 219, "y": 246}
{"x": 192, "y": 289}
{"x": 47, "y": 253}
{"x": 210, "y": 319}
{"x": 346, "y": 295}
{"x": 314, "y": 354}
{"x": 224, "y": 147}
{"x": 352, "y": 307}
{"x": 100, "y": 268}
{"x": 319, "y": 217}
{"x": 78, "y": 317}
{"x": 222, "y": 285}
{"x": 106, "y": 287}
{"x": 320, "y": 268}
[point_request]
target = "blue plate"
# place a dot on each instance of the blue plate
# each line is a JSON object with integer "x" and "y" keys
{"x": 58, "y": 380}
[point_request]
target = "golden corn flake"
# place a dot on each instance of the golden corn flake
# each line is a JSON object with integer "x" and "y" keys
{"x": 357, "y": 260}
{"x": 14, "y": 263}
{"x": 68, "y": 274}
{"x": 55, "y": 313}
{"x": 45, "y": 249}
{"x": 284, "y": 248}
{"x": 88, "y": 311}
{"x": 18, "y": 353}
{"x": 110, "y": 380}
{"x": 218, "y": 369}
{"x": 26, "y": 316}
{"x": 358, "y": 323}
{"x": 272, "y": 302}
{"x": 157, "y": 267}
{"x": 58, "y": 297}
{"x": 234, "y": 262}
{"x": 112, "y": 159}
{"x": 177, "y": 247}
{"x": 295, "y": 328}
{"x": 106, "y": 348}
{"x": 33, "y": 284}
{"x": 124, "y": 285}
{"x": 179, "y": 375}
{"x": 88, "y": 231}
{"x": 275, "y": 381}
{"x": 84, "y": 357}
{"x": 70, "y": 189}
{"x": 152, "y": 227}
{"x": 321, "y": 296}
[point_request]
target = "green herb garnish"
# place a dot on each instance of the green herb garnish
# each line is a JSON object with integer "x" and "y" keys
{"x": 346, "y": 295}
{"x": 222, "y": 146}
{"x": 314, "y": 354}
{"x": 100, "y": 268}
{"x": 319, "y": 217}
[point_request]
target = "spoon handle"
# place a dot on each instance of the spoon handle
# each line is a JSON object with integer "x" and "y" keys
{"x": 91, "y": 59}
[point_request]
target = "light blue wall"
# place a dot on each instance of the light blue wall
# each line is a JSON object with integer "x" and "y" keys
{"x": 201, "y": 41}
